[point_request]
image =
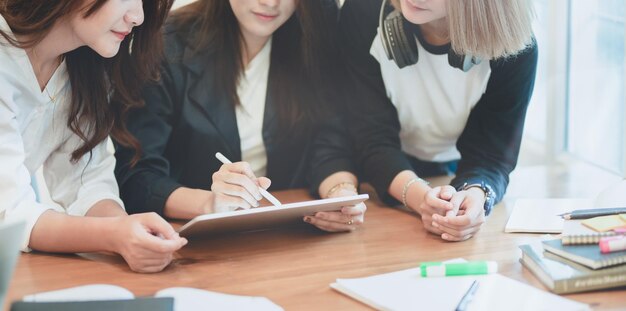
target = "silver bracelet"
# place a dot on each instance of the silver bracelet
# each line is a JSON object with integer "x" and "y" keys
{"x": 406, "y": 188}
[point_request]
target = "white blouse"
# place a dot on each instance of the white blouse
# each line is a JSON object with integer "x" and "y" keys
{"x": 252, "y": 91}
{"x": 33, "y": 132}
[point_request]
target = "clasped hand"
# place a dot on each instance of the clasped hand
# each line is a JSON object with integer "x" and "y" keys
{"x": 453, "y": 215}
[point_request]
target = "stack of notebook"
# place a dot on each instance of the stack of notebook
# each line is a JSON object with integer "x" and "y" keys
{"x": 575, "y": 263}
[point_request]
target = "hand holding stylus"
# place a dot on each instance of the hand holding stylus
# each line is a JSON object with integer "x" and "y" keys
{"x": 241, "y": 187}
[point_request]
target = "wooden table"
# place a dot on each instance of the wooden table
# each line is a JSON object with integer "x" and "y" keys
{"x": 294, "y": 266}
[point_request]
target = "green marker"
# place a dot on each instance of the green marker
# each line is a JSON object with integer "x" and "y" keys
{"x": 430, "y": 269}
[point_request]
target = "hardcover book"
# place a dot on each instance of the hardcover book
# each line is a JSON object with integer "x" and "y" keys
{"x": 588, "y": 255}
{"x": 562, "y": 276}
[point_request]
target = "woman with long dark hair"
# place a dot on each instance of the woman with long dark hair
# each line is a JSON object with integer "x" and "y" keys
{"x": 69, "y": 72}
{"x": 252, "y": 79}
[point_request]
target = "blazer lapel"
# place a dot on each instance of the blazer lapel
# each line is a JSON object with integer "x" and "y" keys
{"x": 218, "y": 110}
{"x": 269, "y": 119}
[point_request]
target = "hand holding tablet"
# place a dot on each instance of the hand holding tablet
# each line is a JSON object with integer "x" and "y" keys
{"x": 264, "y": 217}
{"x": 236, "y": 187}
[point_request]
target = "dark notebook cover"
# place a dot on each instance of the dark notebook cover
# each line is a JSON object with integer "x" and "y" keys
{"x": 588, "y": 255}
{"x": 138, "y": 304}
{"x": 562, "y": 276}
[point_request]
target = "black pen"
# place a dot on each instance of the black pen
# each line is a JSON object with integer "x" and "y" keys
{"x": 467, "y": 298}
{"x": 593, "y": 212}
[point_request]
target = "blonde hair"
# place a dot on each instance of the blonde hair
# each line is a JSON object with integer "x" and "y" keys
{"x": 489, "y": 29}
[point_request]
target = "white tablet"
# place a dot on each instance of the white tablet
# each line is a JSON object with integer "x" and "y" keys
{"x": 264, "y": 217}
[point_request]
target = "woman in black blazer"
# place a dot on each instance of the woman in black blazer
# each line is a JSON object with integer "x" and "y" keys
{"x": 251, "y": 80}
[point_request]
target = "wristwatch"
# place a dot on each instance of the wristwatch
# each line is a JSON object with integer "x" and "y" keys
{"x": 490, "y": 194}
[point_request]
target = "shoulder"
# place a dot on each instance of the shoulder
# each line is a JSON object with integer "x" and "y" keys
{"x": 366, "y": 9}
{"x": 525, "y": 60}
{"x": 359, "y": 19}
{"x": 177, "y": 36}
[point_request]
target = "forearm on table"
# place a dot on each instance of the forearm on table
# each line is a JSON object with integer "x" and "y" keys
{"x": 187, "y": 203}
{"x": 62, "y": 233}
{"x": 106, "y": 208}
{"x": 414, "y": 194}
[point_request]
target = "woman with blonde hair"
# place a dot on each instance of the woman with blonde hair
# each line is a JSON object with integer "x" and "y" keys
{"x": 442, "y": 88}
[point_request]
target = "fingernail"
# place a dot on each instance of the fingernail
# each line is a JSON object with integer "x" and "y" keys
{"x": 444, "y": 236}
{"x": 435, "y": 225}
{"x": 307, "y": 219}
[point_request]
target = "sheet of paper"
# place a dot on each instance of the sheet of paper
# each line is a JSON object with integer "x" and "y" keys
{"x": 192, "y": 299}
{"x": 497, "y": 292}
{"x": 605, "y": 223}
{"x": 407, "y": 290}
{"x": 541, "y": 215}
{"x": 82, "y": 293}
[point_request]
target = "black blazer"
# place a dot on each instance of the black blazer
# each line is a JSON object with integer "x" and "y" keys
{"x": 185, "y": 122}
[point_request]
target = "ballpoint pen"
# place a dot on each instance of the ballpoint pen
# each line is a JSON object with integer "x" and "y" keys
{"x": 264, "y": 192}
{"x": 467, "y": 298}
{"x": 593, "y": 212}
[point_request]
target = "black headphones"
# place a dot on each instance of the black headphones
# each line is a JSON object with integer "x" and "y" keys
{"x": 399, "y": 41}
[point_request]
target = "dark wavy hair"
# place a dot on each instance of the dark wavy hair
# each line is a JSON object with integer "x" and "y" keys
{"x": 304, "y": 56}
{"x": 103, "y": 90}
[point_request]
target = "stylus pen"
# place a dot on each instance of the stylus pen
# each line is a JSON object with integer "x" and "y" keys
{"x": 264, "y": 192}
{"x": 593, "y": 212}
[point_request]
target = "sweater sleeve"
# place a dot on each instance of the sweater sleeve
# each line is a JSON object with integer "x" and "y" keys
{"x": 490, "y": 142}
{"x": 332, "y": 147}
{"x": 146, "y": 186}
{"x": 374, "y": 123}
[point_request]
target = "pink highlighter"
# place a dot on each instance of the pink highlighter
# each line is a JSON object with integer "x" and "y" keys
{"x": 613, "y": 244}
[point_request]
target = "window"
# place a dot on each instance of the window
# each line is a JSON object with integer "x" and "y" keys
{"x": 595, "y": 129}
{"x": 579, "y": 100}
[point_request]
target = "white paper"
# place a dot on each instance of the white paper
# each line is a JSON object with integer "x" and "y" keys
{"x": 407, "y": 290}
{"x": 192, "y": 299}
{"x": 82, "y": 293}
{"x": 541, "y": 215}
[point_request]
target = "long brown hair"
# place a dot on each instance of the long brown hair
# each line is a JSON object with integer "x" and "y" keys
{"x": 103, "y": 90}
{"x": 304, "y": 56}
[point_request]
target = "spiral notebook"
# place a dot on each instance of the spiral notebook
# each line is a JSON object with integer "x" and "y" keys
{"x": 574, "y": 233}
{"x": 587, "y": 255}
